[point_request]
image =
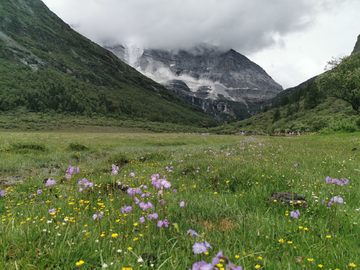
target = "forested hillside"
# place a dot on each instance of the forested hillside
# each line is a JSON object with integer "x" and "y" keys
{"x": 45, "y": 66}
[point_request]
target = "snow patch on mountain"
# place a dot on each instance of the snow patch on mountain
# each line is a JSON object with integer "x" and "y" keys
{"x": 205, "y": 75}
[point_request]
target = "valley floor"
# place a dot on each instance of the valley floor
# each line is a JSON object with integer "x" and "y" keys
{"x": 174, "y": 200}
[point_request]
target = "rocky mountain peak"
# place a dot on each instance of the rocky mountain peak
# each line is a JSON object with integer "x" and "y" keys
{"x": 204, "y": 75}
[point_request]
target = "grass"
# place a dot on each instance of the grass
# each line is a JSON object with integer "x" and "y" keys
{"x": 224, "y": 181}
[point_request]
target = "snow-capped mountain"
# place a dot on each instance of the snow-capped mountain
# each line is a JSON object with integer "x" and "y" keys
{"x": 223, "y": 82}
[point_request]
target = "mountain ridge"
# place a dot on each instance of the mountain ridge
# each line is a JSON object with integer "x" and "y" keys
{"x": 207, "y": 75}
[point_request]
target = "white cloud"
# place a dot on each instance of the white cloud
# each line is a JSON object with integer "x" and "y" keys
{"x": 289, "y": 39}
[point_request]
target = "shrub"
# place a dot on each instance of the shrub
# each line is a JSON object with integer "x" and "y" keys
{"x": 345, "y": 126}
{"x": 77, "y": 147}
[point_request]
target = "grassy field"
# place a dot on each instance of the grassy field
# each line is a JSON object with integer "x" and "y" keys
{"x": 100, "y": 217}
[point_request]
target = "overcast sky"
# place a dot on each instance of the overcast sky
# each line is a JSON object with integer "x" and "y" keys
{"x": 291, "y": 39}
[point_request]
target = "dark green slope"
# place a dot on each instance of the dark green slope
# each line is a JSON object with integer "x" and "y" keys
{"x": 47, "y": 66}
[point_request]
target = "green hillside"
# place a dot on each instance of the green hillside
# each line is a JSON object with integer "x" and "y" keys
{"x": 46, "y": 67}
{"x": 327, "y": 103}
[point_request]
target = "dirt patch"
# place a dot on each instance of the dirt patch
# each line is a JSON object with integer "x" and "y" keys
{"x": 223, "y": 224}
{"x": 227, "y": 224}
{"x": 11, "y": 180}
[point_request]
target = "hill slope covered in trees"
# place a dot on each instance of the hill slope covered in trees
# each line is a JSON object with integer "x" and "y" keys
{"x": 47, "y": 67}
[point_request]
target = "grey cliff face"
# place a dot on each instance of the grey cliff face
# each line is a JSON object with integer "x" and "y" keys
{"x": 219, "y": 81}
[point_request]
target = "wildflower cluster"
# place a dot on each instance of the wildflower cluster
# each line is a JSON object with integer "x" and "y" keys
{"x": 198, "y": 247}
{"x": 215, "y": 263}
{"x": 84, "y": 182}
{"x": 341, "y": 182}
{"x": 70, "y": 171}
{"x": 115, "y": 169}
{"x": 335, "y": 199}
{"x": 295, "y": 214}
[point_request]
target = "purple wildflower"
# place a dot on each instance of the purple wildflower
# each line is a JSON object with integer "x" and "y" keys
{"x": 202, "y": 265}
{"x": 166, "y": 184}
{"x": 142, "y": 219}
{"x": 115, "y": 169}
{"x": 337, "y": 199}
{"x": 70, "y": 170}
{"x": 52, "y": 211}
{"x": 199, "y": 248}
{"x": 329, "y": 180}
{"x": 295, "y": 214}
{"x": 192, "y": 233}
{"x": 126, "y": 209}
{"x": 231, "y": 266}
{"x": 50, "y": 182}
{"x": 153, "y": 216}
{"x": 295, "y": 165}
{"x": 39, "y": 192}
{"x": 2, "y": 193}
{"x": 160, "y": 223}
{"x": 157, "y": 185}
{"x": 31, "y": 195}
{"x": 217, "y": 258}
{"x": 81, "y": 189}
{"x": 95, "y": 216}
{"x": 87, "y": 183}
{"x": 207, "y": 245}
{"x": 154, "y": 177}
{"x": 145, "y": 206}
{"x": 77, "y": 170}
{"x": 343, "y": 181}
{"x": 149, "y": 205}
{"x": 182, "y": 204}
{"x": 131, "y": 192}
{"x": 174, "y": 190}
{"x": 132, "y": 174}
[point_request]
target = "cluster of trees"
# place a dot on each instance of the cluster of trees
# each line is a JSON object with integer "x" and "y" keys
{"x": 341, "y": 81}
{"x": 309, "y": 95}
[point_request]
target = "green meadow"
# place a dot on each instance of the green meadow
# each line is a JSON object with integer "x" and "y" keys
{"x": 129, "y": 200}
